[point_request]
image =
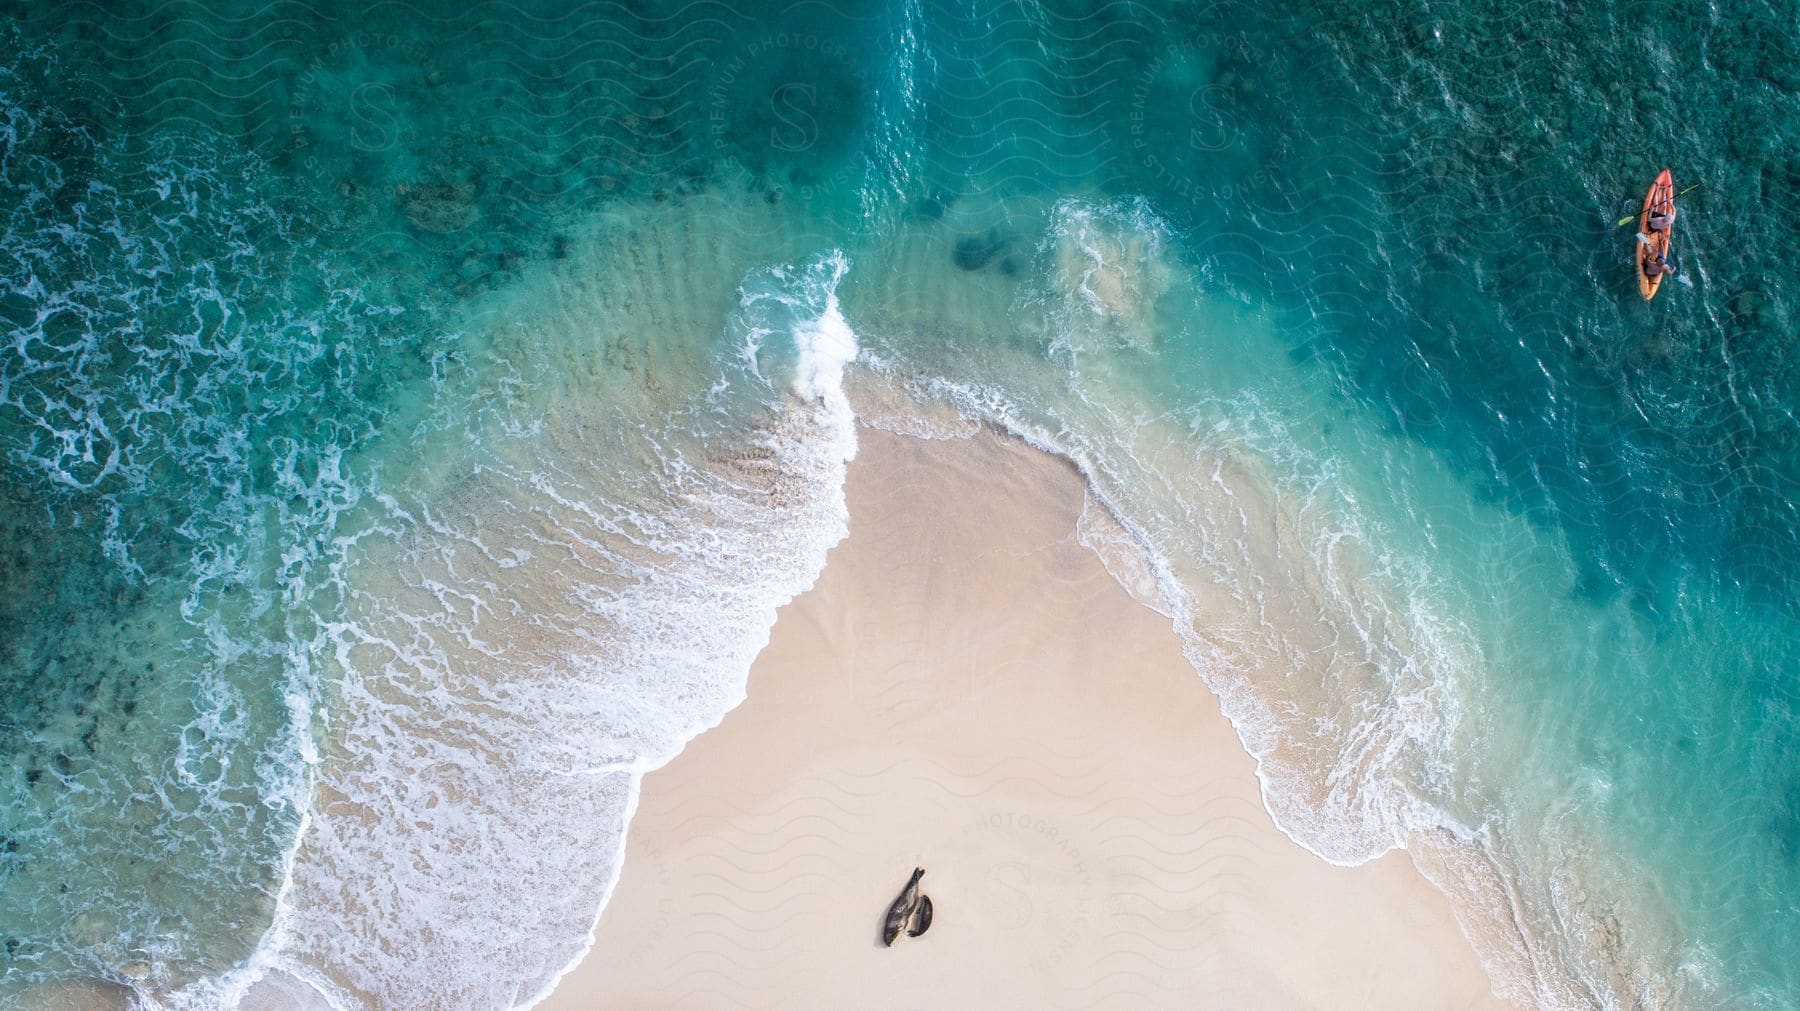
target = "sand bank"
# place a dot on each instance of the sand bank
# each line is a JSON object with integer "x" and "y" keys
{"x": 966, "y": 689}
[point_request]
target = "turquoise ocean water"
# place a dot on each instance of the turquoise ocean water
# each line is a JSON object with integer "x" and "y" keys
{"x": 410, "y": 419}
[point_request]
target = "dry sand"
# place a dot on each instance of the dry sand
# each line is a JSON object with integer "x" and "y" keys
{"x": 967, "y": 690}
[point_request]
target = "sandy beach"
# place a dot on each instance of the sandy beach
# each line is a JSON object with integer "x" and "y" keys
{"x": 967, "y": 690}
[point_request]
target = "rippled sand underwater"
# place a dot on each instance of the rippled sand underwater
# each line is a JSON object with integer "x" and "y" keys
{"x": 411, "y": 420}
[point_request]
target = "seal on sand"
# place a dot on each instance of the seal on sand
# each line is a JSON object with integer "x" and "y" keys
{"x": 902, "y": 908}
{"x": 921, "y": 919}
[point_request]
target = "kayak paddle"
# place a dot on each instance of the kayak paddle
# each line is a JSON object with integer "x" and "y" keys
{"x": 1629, "y": 218}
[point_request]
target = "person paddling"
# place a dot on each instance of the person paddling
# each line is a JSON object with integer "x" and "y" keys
{"x": 1655, "y": 232}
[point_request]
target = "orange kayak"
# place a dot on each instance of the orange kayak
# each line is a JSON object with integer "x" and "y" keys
{"x": 1654, "y": 244}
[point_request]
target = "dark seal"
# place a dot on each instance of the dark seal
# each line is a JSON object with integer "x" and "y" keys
{"x": 902, "y": 908}
{"x": 921, "y": 919}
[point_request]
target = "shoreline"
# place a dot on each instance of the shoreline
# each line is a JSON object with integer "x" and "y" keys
{"x": 952, "y": 692}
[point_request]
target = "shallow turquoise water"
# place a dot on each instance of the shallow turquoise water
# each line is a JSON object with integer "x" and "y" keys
{"x": 292, "y": 298}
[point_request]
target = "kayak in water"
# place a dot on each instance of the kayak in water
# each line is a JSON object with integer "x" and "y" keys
{"x": 1656, "y": 222}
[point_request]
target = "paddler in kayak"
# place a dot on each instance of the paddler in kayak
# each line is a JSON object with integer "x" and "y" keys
{"x": 1655, "y": 228}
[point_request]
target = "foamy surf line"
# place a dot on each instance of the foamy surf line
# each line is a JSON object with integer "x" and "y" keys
{"x": 825, "y": 346}
{"x": 438, "y": 883}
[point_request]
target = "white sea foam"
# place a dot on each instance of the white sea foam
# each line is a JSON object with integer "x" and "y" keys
{"x": 528, "y": 639}
{"x": 1122, "y": 554}
{"x": 127, "y": 380}
{"x": 1103, "y": 273}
